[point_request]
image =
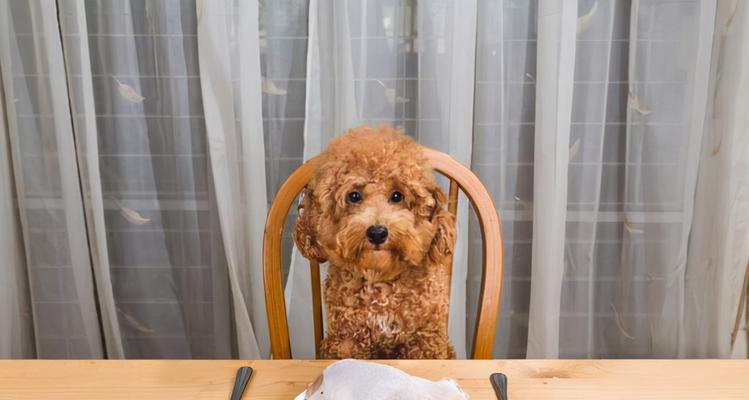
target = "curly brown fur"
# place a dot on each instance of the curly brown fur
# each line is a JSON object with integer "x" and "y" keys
{"x": 387, "y": 300}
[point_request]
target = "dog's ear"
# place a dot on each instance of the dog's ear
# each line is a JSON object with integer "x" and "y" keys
{"x": 305, "y": 228}
{"x": 443, "y": 242}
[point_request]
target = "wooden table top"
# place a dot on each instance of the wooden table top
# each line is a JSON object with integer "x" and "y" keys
{"x": 528, "y": 379}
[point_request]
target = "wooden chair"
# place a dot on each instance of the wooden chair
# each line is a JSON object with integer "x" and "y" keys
{"x": 460, "y": 178}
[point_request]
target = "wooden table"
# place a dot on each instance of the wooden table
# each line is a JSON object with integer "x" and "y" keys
{"x": 528, "y": 379}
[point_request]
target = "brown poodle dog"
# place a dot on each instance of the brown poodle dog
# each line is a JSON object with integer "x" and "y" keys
{"x": 375, "y": 212}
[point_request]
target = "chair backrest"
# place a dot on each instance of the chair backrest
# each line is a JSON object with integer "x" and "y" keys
{"x": 461, "y": 178}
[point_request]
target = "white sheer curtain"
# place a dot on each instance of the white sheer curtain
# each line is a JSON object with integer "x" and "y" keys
{"x": 719, "y": 241}
{"x": 586, "y": 300}
{"x": 650, "y": 296}
{"x": 604, "y": 210}
{"x": 16, "y": 339}
{"x": 122, "y": 249}
{"x": 554, "y": 84}
{"x": 141, "y": 141}
{"x": 228, "y": 44}
{"x": 502, "y": 157}
{"x": 45, "y": 174}
{"x": 667, "y": 103}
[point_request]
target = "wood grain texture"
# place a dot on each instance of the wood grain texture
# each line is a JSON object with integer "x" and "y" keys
{"x": 452, "y": 207}
{"x": 283, "y": 379}
{"x": 316, "y": 304}
{"x": 460, "y": 178}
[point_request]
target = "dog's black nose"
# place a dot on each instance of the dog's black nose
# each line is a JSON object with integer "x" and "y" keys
{"x": 377, "y": 234}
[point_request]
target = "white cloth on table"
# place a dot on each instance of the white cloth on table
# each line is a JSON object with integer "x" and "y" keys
{"x": 361, "y": 380}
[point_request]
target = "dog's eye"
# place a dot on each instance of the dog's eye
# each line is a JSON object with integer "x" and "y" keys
{"x": 396, "y": 197}
{"x": 354, "y": 197}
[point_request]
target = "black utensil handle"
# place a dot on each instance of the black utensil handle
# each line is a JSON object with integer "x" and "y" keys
{"x": 240, "y": 382}
{"x": 499, "y": 383}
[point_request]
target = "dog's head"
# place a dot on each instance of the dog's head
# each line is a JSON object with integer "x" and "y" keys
{"x": 373, "y": 206}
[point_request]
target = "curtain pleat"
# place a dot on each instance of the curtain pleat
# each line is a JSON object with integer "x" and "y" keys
{"x": 86, "y": 134}
{"x": 652, "y": 280}
{"x": 234, "y": 148}
{"x": 719, "y": 238}
{"x": 557, "y": 26}
{"x": 47, "y": 183}
{"x": 16, "y": 328}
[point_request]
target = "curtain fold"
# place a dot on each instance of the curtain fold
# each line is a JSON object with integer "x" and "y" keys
{"x": 16, "y": 329}
{"x": 719, "y": 238}
{"x": 166, "y": 263}
{"x": 115, "y": 208}
{"x": 594, "y": 306}
{"x": 75, "y": 40}
{"x": 665, "y": 99}
{"x": 49, "y": 199}
{"x": 587, "y": 172}
{"x": 502, "y": 157}
{"x": 233, "y": 112}
{"x": 557, "y": 24}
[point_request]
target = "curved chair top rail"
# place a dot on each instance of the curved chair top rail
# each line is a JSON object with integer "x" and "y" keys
{"x": 466, "y": 180}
